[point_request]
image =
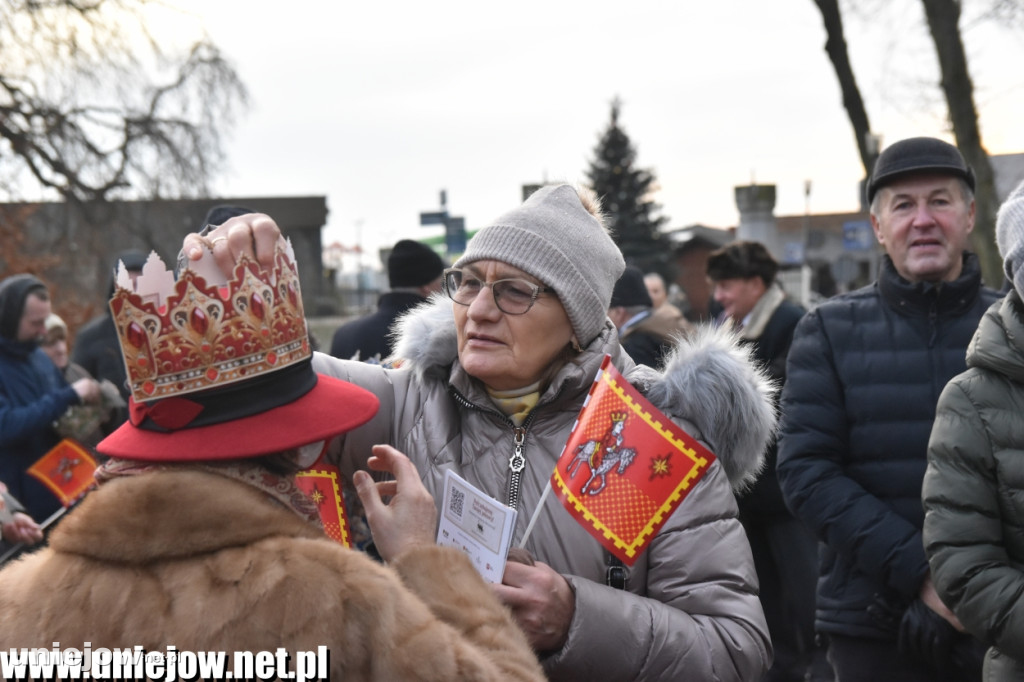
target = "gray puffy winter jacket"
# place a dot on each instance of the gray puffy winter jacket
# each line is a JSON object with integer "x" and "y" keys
{"x": 690, "y": 608}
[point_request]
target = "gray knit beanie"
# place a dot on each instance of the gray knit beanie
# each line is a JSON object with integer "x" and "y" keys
{"x": 1010, "y": 237}
{"x": 555, "y": 239}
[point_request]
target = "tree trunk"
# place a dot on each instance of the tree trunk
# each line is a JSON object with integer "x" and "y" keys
{"x": 835, "y": 47}
{"x": 943, "y": 22}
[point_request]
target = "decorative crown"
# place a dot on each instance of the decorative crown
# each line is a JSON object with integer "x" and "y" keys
{"x": 201, "y": 332}
{"x": 619, "y": 416}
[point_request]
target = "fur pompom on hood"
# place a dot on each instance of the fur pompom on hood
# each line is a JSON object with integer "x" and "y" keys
{"x": 425, "y": 337}
{"x": 709, "y": 380}
{"x": 713, "y": 381}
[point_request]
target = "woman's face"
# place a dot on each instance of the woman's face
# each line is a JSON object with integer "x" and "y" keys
{"x": 504, "y": 351}
{"x": 58, "y": 352}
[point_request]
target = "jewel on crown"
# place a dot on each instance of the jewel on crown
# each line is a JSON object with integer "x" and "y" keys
{"x": 202, "y": 331}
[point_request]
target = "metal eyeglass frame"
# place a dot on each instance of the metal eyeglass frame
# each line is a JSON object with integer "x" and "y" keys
{"x": 496, "y": 293}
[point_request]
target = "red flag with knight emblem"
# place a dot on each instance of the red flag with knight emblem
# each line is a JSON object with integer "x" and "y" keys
{"x": 322, "y": 483}
{"x": 67, "y": 470}
{"x": 626, "y": 466}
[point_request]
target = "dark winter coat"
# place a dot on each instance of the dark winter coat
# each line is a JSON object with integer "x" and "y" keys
{"x": 650, "y": 339}
{"x": 769, "y": 332}
{"x": 864, "y": 375}
{"x": 974, "y": 491}
{"x": 33, "y": 394}
{"x": 98, "y": 351}
{"x": 369, "y": 335}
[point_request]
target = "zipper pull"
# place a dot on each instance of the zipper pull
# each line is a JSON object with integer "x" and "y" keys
{"x": 517, "y": 462}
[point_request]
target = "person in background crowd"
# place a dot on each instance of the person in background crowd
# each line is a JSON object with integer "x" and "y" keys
{"x": 490, "y": 383}
{"x": 33, "y": 394}
{"x": 645, "y": 336}
{"x": 742, "y": 275}
{"x": 655, "y": 285}
{"x": 974, "y": 486}
{"x": 96, "y": 347}
{"x": 81, "y": 422}
{"x": 667, "y": 302}
{"x": 414, "y": 273}
{"x": 863, "y": 378}
{"x": 198, "y": 537}
{"x": 16, "y": 527}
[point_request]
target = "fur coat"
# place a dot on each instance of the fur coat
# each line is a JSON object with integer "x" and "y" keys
{"x": 190, "y": 558}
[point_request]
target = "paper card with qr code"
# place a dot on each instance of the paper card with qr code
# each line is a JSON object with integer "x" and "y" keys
{"x": 477, "y": 524}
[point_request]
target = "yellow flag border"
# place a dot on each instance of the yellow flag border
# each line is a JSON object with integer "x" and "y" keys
{"x": 698, "y": 465}
{"x": 346, "y": 538}
{"x": 65, "y": 499}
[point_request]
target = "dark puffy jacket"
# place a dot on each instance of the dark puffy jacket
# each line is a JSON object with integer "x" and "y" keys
{"x": 33, "y": 394}
{"x": 974, "y": 490}
{"x": 769, "y": 331}
{"x": 865, "y": 371}
{"x": 368, "y": 335}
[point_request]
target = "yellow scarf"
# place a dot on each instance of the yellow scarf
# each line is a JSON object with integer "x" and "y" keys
{"x": 516, "y": 403}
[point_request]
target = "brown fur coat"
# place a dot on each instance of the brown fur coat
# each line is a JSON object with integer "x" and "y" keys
{"x": 190, "y": 558}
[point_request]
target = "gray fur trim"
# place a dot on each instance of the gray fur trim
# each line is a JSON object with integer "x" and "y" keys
{"x": 425, "y": 336}
{"x": 712, "y": 381}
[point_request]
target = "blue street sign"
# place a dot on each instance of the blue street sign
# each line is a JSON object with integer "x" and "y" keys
{"x": 455, "y": 235}
{"x": 858, "y": 236}
{"x": 438, "y": 218}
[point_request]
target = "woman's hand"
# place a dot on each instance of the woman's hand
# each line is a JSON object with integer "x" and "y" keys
{"x": 22, "y": 529}
{"x": 409, "y": 518}
{"x": 255, "y": 235}
{"x": 541, "y": 601}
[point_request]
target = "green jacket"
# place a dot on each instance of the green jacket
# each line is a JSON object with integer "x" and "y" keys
{"x": 974, "y": 490}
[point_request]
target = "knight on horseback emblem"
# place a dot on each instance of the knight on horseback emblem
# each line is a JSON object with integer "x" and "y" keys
{"x": 603, "y": 455}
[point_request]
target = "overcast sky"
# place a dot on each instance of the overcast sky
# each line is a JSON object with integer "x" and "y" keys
{"x": 379, "y": 105}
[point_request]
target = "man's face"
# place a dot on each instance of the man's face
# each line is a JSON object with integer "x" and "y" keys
{"x": 33, "y": 319}
{"x": 655, "y": 289}
{"x": 738, "y": 295}
{"x": 924, "y": 224}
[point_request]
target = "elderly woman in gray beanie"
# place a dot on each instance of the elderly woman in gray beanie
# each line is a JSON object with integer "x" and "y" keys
{"x": 490, "y": 380}
{"x": 974, "y": 486}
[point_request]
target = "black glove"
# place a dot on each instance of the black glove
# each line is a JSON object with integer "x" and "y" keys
{"x": 926, "y": 636}
{"x": 886, "y": 614}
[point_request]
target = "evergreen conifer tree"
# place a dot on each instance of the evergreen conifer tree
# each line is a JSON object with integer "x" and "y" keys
{"x": 625, "y": 194}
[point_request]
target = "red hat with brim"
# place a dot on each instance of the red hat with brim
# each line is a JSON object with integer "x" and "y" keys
{"x": 281, "y": 411}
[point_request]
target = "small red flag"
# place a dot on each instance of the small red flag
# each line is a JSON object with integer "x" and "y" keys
{"x": 321, "y": 482}
{"x": 626, "y": 466}
{"x": 67, "y": 470}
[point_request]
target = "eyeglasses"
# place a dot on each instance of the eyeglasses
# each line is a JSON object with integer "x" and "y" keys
{"x": 512, "y": 296}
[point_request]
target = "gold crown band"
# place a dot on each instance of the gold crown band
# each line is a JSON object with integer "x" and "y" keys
{"x": 207, "y": 336}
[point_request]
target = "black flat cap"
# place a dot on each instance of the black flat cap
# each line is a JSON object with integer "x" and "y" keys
{"x": 918, "y": 155}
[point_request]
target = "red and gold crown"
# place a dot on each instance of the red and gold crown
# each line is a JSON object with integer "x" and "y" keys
{"x": 198, "y": 333}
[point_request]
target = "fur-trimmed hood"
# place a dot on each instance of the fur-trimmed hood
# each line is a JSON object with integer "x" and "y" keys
{"x": 710, "y": 380}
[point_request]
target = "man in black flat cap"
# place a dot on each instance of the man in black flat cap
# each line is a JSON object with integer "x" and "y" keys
{"x": 414, "y": 272}
{"x": 864, "y": 373}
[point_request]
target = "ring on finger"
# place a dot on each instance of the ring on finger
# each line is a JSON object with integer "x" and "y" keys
{"x": 213, "y": 242}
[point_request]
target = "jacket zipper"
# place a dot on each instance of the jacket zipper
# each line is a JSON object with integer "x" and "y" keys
{"x": 517, "y": 462}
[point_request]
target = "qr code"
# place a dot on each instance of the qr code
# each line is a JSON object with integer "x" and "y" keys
{"x": 456, "y": 502}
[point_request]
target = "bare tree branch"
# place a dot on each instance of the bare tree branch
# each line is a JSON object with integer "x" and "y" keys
{"x": 92, "y": 109}
{"x": 835, "y": 46}
{"x": 944, "y": 23}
